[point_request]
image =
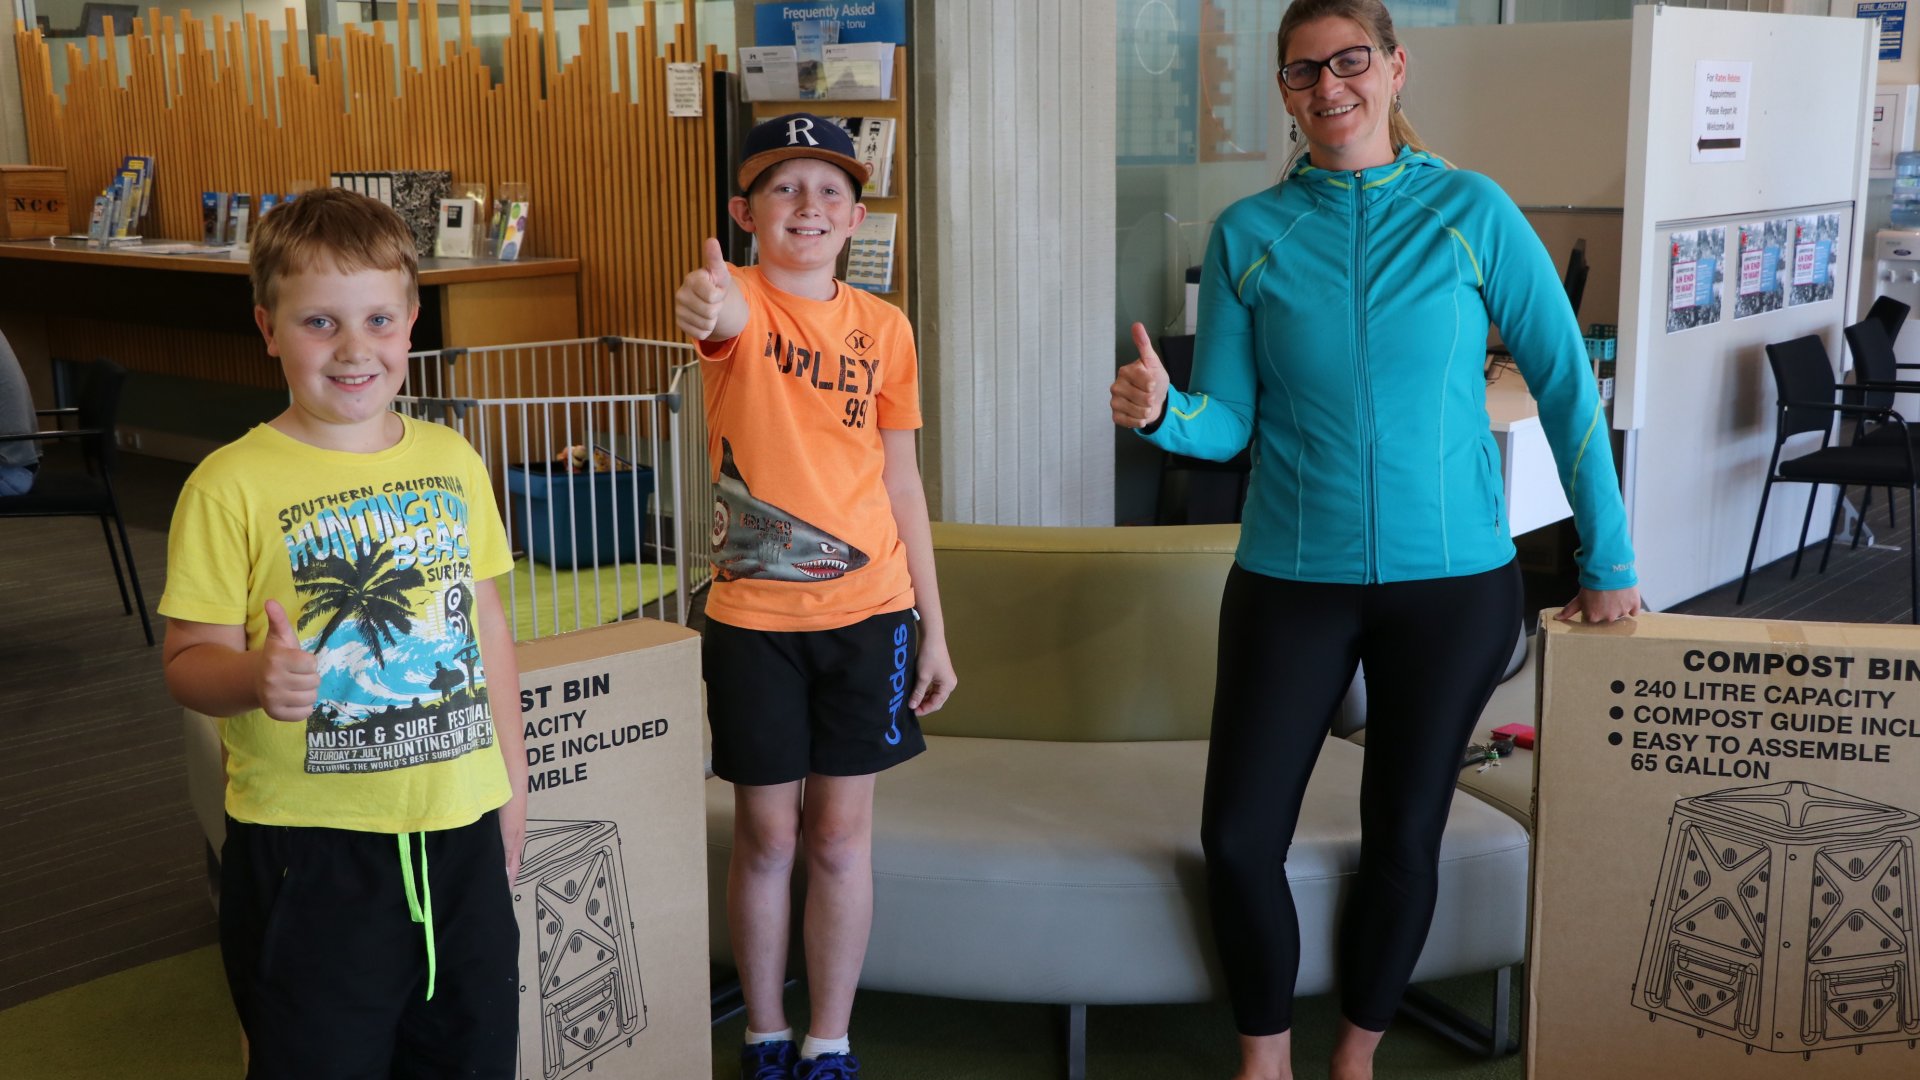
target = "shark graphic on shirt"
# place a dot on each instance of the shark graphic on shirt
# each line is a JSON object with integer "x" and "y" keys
{"x": 755, "y": 539}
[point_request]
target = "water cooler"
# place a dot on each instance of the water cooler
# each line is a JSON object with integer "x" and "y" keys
{"x": 1896, "y": 273}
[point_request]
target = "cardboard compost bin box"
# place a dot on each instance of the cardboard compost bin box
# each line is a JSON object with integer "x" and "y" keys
{"x": 612, "y": 890}
{"x": 1725, "y": 871}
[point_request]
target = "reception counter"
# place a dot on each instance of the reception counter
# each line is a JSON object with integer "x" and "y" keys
{"x": 182, "y": 325}
{"x": 1534, "y": 495}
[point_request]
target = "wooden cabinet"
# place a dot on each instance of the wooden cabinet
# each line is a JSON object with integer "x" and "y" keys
{"x": 182, "y": 326}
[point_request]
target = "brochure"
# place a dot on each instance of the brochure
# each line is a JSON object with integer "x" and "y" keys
{"x": 454, "y": 238}
{"x": 870, "y": 254}
{"x": 769, "y": 73}
{"x": 860, "y": 70}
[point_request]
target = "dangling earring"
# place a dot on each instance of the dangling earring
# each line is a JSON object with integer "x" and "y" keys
{"x": 1396, "y": 103}
{"x": 1293, "y": 132}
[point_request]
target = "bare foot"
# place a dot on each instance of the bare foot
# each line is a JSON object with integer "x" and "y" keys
{"x": 1353, "y": 1049}
{"x": 1351, "y": 1068}
{"x": 1266, "y": 1057}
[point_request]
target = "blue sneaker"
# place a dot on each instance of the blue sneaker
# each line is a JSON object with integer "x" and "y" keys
{"x": 768, "y": 1060}
{"x": 828, "y": 1067}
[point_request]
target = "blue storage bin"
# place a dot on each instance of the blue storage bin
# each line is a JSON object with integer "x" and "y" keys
{"x": 585, "y": 506}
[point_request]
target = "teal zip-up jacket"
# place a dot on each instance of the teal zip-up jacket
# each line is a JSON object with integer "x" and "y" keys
{"x": 1343, "y": 325}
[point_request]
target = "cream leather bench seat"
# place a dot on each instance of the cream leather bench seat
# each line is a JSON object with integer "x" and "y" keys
{"x": 1046, "y": 848}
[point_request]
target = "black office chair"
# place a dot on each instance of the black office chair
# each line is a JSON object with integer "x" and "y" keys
{"x": 1194, "y": 491}
{"x": 1807, "y": 403}
{"x": 1891, "y": 314}
{"x": 1876, "y": 372}
{"x": 58, "y": 493}
{"x": 1876, "y": 375}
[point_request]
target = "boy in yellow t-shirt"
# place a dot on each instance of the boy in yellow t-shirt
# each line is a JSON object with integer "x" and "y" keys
{"x": 822, "y": 552}
{"x": 329, "y": 592}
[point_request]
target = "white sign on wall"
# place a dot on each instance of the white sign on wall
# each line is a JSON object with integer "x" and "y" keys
{"x": 1721, "y": 93}
{"x": 683, "y": 89}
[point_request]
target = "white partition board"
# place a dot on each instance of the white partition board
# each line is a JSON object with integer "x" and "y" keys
{"x": 1701, "y": 401}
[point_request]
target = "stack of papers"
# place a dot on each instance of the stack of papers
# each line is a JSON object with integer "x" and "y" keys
{"x": 769, "y": 73}
{"x": 860, "y": 70}
{"x": 857, "y": 71}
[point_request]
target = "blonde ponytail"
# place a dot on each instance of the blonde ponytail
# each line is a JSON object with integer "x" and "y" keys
{"x": 1400, "y": 130}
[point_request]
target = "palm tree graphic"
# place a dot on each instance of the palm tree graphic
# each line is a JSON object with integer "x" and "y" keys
{"x": 367, "y": 590}
{"x": 469, "y": 658}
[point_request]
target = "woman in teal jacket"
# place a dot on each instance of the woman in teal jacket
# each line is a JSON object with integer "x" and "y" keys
{"x": 1342, "y": 331}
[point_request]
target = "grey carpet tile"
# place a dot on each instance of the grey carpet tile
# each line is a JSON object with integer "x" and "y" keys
{"x": 102, "y": 866}
{"x": 1868, "y": 585}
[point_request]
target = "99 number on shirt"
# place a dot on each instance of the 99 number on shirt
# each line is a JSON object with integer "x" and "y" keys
{"x": 856, "y": 412}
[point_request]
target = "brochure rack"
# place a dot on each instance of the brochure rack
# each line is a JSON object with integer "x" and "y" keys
{"x": 894, "y": 203}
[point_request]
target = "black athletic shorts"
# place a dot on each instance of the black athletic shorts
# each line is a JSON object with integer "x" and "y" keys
{"x": 329, "y": 971}
{"x": 787, "y": 703}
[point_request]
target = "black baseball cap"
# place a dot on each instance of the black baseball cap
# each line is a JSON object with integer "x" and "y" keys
{"x": 799, "y": 135}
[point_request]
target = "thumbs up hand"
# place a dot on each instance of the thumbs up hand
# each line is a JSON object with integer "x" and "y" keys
{"x": 1140, "y": 388}
{"x": 698, "y": 301}
{"x": 287, "y": 678}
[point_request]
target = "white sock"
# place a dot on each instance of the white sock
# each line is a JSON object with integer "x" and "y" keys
{"x": 783, "y": 1035}
{"x": 814, "y": 1047}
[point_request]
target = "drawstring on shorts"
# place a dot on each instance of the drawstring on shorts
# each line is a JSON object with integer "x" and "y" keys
{"x": 420, "y": 902}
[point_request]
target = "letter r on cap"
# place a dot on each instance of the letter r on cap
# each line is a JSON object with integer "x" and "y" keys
{"x": 801, "y": 128}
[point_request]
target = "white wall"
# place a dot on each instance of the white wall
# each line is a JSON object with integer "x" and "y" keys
{"x": 1563, "y": 142}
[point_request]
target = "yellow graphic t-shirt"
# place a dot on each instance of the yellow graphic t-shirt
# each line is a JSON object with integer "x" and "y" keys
{"x": 803, "y": 531}
{"x": 374, "y": 557}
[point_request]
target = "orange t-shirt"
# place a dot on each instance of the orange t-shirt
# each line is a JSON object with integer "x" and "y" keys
{"x": 803, "y": 530}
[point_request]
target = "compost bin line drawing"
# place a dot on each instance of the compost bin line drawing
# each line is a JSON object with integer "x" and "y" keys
{"x": 1783, "y": 919}
{"x": 587, "y": 976}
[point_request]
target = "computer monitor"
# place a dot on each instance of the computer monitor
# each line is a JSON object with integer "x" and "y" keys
{"x": 93, "y": 18}
{"x": 1575, "y": 278}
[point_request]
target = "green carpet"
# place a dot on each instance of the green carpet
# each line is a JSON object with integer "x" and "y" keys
{"x": 160, "y": 1021}
{"x": 541, "y": 599}
{"x": 171, "y": 1019}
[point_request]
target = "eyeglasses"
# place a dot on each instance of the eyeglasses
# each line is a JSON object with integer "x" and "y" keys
{"x": 1345, "y": 64}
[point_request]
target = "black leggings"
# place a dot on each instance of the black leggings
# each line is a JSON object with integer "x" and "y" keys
{"x": 1434, "y": 651}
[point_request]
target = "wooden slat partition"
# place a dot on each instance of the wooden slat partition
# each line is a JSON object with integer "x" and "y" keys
{"x": 614, "y": 181}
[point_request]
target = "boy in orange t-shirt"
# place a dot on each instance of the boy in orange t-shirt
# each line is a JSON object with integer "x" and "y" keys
{"x": 822, "y": 553}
